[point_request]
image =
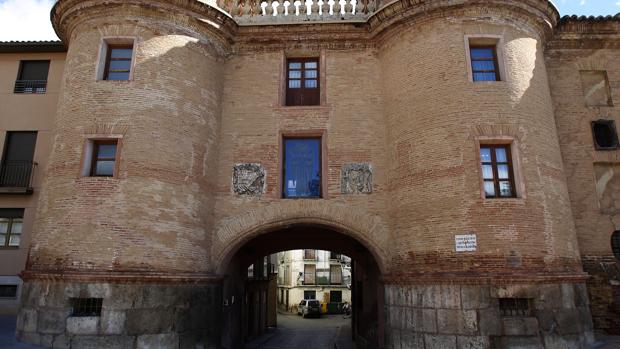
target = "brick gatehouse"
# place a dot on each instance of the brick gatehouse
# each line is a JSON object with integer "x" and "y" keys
{"x": 462, "y": 152}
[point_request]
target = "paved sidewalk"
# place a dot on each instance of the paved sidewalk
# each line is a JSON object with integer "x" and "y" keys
{"x": 7, "y": 335}
{"x": 345, "y": 337}
{"x": 607, "y": 342}
{"x": 295, "y": 332}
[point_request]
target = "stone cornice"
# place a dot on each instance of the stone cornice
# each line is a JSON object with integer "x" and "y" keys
{"x": 128, "y": 277}
{"x": 486, "y": 279}
{"x": 317, "y": 36}
{"x": 539, "y": 15}
{"x": 188, "y": 15}
{"x": 587, "y": 33}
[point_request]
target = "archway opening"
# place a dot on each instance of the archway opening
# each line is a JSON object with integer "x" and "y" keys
{"x": 257, "y": 278}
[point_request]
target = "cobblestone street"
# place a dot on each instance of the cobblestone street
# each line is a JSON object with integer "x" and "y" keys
{"x": 296, "y": 332}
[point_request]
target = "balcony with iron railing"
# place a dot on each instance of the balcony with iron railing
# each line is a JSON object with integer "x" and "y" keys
{"x": 16, "y": 177}
{"x": 30, "y": 86}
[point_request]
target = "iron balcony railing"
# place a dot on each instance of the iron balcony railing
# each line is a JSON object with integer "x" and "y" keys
{"x": 16, "y": 176}
{"x": 30, "y": 86}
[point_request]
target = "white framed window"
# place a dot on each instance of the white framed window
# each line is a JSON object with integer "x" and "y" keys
{"x": 485, "y": 58}
{"x": 101, "y": 156}
{"x": 117, "y": 57}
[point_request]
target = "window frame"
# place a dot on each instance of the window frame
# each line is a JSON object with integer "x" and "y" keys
{"x": 40, "y": 87}
{"x": 109, "y": 59}
{"x": 516, "y": 307}
{"x": 494, "y": 164}
{"x": 11, "y": 214}
{"x": 474, "y": 40}
{"x": 607, "y": 88}
{"x": 86, "y": 306}
{"x": 305, "y": 300}
{"x": 314, "y": 253}
{"x": 16, "y": 296}
{"x": 101, "y": 71}
{"x": 86, "y": 166}
{"x": 615, "y": 244}
{"x": 94, "y": 156}
{"x": 612, "y": 126}
{"x": 309, "y": 266}
{"x": 333, "y": 292}
{"x": 316, "y": 92}
{"x": 331, "y": 281}
{"x": 495, "y": 62}
{"x": 9, "y": 232}
{"x": 322, "y": 183}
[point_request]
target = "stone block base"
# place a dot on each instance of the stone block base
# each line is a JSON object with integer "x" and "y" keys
{"x": 132, "y": 316}
{"x": 604, "y": 292}
{"x": 470, "y": 316}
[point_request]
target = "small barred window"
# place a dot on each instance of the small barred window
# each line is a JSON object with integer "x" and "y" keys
{"x": 615, "y": 243}
{"x": 515, "y": 307}
{"x": 8, "y": 291}
{"x": 86, "y": 306}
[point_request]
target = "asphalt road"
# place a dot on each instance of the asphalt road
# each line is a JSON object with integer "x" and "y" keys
{"x": 295, "y": 332}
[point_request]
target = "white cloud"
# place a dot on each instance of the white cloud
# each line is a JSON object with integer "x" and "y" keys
{"x": 582, "y": 2}
{"x": 618, "y": 3}
{"x": 26, "y": 20}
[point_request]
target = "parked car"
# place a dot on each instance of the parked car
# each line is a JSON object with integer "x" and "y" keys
{"x": 309, "y": 307}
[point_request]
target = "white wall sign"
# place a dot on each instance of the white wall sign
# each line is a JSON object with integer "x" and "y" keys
{"x": 465, "y": 243}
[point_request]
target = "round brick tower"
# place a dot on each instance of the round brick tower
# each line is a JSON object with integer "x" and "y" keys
{"x": 444, "y": 127}
{"x": 127, "y": 196}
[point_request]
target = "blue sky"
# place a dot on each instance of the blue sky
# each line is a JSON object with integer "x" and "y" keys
{"x": 588, "y": 7}
{"x": 29, "y": 19}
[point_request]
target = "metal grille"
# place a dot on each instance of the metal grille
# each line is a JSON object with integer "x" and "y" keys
{"x": 17, "y": 174}
{"x": 615, "y": 243}
{"x": 8, "y": 291}
{"x": 86, "y": 306}
{"x": 515, "y": 307}
{"x": 30, "y": 86}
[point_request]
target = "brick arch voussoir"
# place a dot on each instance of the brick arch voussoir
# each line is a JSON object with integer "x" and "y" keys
{"x": 234, "y": 232}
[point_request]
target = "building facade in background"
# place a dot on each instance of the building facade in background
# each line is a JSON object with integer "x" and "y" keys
{"x": 30, "y": 76}
{"x": 313, "y": 274}
{"x": 463, "y": 154}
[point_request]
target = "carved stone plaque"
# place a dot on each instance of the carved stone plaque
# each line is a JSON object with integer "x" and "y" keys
{"x": 249, "y": 179}
{"x": 356, "y": 179}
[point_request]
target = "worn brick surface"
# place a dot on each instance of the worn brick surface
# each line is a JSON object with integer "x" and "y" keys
{"x": 571, "y": 63}
{"x": 207, "y": 94}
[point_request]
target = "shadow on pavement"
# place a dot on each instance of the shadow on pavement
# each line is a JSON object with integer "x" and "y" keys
{"x": 326, "y": 332}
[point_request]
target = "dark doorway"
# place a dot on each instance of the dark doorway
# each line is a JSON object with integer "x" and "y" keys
{"x": 365, "y": 326}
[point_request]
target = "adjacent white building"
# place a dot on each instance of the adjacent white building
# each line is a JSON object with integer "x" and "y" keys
{"x": 313, "y": 274}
